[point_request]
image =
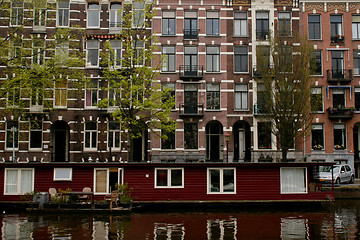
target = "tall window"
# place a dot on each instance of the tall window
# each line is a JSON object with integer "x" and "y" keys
{"x": 356, "y": 27}
{"x": 212, "y": 23}
{"x": 338, "y": 97}
{"x": 317, "y": 136}
{"x": 339, "y": 136}
{"x": 356, "y": 62}
{"x": 62, "y": 51}
{"x": 35, "y": 134}
{"x": 221, "y": 180}
{"x": 190, "y": 135}
{"x": 262, "y": 25}
{"x": 190, "y": 60}
{"x": 115, "y": 54}
{"x": 336, "y": 28}
{"x": 169, "y": 177}
{"x": 13, "y": 99}
{"x": 337, "y": 64}
{"x": 63, "y": 13}
{"x": 316, "y": 98}
{"x": 38, "y": 51}
{"x": 284, "y": 23}
{"x": 92, "y": 90}
{"x": 93, "y": 15}
{"x": 115, "y": 15}
{"x": 114, "y": 95}
{"x": 241, "y": 59}
{"x": 37, "y": 94}
{"x": 168, "y": 23}
{"x": 285, "y": 57}
{"x": 212, "y": 96}
{"x": 240, "y": 24}
{"x": 138, "y": 8}
{"x": 60, "y": 93}
{"x": 293, "y": 180}
{"x": 12, "y": 134}
{"x": 168, "y": 138}
{"x": 241, "y": 97}
{"x": 168, "y": 90}
{"x": 92, "y": 47}
{"x": 190, "y": 25}
{"x": 114, "y": 135}
{"x": 19, "y": 181}
{"x": 16, "y": 51}
{"x": 90, "y": 141}
{"x": 264, "y": 135}
{"x": 139, "y": 57}
{"x": 357, "y": 98}
{"x": 314, "y": 27}
{"x": 17, "y": 12}
{"x": 212, "y": 59}
{"x": 316, "y": 63}
{"x": 169, "y": 62}
{"x": 101, "y": 181}
{"x": 40, "y": 14}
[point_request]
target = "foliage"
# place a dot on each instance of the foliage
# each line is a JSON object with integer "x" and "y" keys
{"x": 125, "y": 192}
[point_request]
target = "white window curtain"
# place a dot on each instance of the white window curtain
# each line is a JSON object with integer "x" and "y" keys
{"x": 26, "y": 181}
{"x": 11, "y": 181}
{"x": 293, "y": 180}
{"x": 101, "y": 181}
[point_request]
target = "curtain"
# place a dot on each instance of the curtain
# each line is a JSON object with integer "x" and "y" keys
{"x": 26, "y": 181}
{"x": 101, "y": 183}
{"x": 293, "y": 180}
{"x": 11, "y": 181}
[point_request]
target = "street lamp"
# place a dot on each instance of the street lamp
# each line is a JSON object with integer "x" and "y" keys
{"x": 227, "y": 138}
{"x": 13, "y": 130}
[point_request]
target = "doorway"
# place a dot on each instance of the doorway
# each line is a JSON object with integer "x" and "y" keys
{"x": 214, "y": 140}
{"x": 242, "y": 141}
{"x": 59, "y": 141}
{"x": 139, "y": 148}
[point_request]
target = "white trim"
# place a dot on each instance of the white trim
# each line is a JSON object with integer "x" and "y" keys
{"x": 306, "y": 181}
{"x": 169, "y": 170}
{"x": 62, "y": 179}
{"x": 18, "y": 192}
{"x": 107, "y": 181}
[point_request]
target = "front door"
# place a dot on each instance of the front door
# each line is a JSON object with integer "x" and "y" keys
{"x": 213, "y": 140}
{"x": 60, "y": 133}
{"x": 190, "y": 98}
{"x": 241, "y": 143}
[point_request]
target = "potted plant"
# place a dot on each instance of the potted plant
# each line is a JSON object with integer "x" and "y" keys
{"x": 125, "y": 192}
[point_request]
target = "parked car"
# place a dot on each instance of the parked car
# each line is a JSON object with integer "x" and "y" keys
{"x": 342, "y": 173}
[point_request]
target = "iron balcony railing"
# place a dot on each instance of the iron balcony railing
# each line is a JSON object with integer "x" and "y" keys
{"x": 195, "y": 72}
{"x": 191, "y": 110}
{"x": 337, "y": 39}
{"x": 339, "y": 75}
{"x": 262, "y": 35}
{"x": 340, "y": 113}
{"x": 191, "y": 34}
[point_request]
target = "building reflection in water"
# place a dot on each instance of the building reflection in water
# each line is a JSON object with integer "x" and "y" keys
{"x": 294, "y": 228}
{"x": 222, "y": 229}
{"x": 166, "y": 231}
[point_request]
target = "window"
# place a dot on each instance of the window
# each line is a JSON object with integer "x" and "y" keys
{"x": 212, "y": 59}
{"x": 357, "y": 98}
{"x": 262, "y": 25}
{"x": 284, "y": 24}
{"x": 101, "y": 181}
{"x": 35, "y": 134}
{"x": 168, "y": 90}
{"x": 115, "y": 54}
{"x": 314, "y": 27}
{"x": 139, "y": 57}
{"x": 264, "y": 135}
{"x": 17, "y": 14}
{"x": 62, "y": 51}
{"x": 337, "y": 64}
{"x": 12, "y": 134}
{"x": 90, "y": 135}
{"x": 338, "y": 97}
{"x": 92, "y": 53}
{"x": 168, "y": 138}
{"x": 316, "y": 63}
{"x": 191, "y": 98}
{"x": 339, "y": 136}
{"x": 61, "y": 93}
{"x": 261, "y": 106}
{"x": 241, "y": 59}
{"x": 115, "y": 15}
{"x": 190, "y": 25}
{"x": 213, "y": 96}
{"x": 19, "y": 181}
{"x": 317, "y": 136}
{"x": 316, "y": 98}
{"x": 241, "y": 97}
{"x": 13, "y": 99}
{"x": 263, "y": 53}
{"x": 114, "y": 95}
{"x": 190, "y": 135}
{"x": 356, "y": 27}
{"x": 293, "y": 180}
{"x": 356, "y": 62}
{"x": 336, "y": 29}
{"x": 63, "y": 13}
{"x": 91, "y": 93}
{"x": 114, "y": 135}
{"x": 62, "y": 174}
{"x": 190, "y": 60}
{"x": 93, "y": 15}
{"x": 285, "y": 57}
{"x": 40, "y": 14}
{"x": 169, "y": 62}
{"x": 212, "y": 23}
{"x": 37, "y": 94}
{"x": 168, "y": 23}
{"x": 169, "y": 177}
{"x": 38, "y": 51}
{"x": 16, "y": 51}
{"x": 221, "y": 180}
{"x": 138, "y": 8}
{"x": 240, "y": 24}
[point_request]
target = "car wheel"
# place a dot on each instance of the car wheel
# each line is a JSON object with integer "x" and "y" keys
{"x": 351, "y": 179}
{"x": 337, "y": 181}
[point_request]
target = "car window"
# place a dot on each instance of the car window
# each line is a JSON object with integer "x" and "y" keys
{"x": 342, "y": 169}
{"x": 348, "y": 168}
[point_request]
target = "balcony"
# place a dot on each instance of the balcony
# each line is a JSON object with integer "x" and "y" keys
{"x": 342, "y": 76}
{"x": 191, "y": 34}
{"x": 338, "y": 39}
{"x": 262, "y": 35}
{"x": 191, "y": 72}
{"x": 340, "y": 112}
{"x": 259, "y": 109}
{"x": 191, "y": 110}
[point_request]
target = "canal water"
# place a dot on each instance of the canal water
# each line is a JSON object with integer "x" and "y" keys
{"x": 339, "y": 221}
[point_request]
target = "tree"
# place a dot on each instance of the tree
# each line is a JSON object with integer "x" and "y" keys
{"x": 285, "y": 86}
{"x": 135, "y": 97}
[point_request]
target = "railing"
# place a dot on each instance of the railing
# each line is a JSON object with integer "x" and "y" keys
{"x": 115, "y": 24}
{"x": 191, "y": 110}
{"x": 262, "y": 35}
{"x": 191, "y": 72}
{"x": 259, "y": 109}
{"x": 339, "y": 75}
{"x": 191, "y": 34}
{"x": 337, "y": 39}
{"x": 341, "y": 113}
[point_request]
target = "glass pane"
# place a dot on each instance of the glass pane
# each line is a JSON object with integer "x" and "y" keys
{"x": 11, "y": 181}
{"x": 214, "y": 184}
{"x": 229, "y": 180}
{"x": 26, "y": 181}
{"x": 161, "y": 177}
{"x": 101, "y": 181}
{"x": 176, "y": 177}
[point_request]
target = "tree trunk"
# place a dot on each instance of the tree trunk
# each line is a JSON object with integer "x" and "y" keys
{"x": 284, "y": 153}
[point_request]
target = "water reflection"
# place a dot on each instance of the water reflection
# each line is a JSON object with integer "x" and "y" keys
{"x": 340, "y": 222}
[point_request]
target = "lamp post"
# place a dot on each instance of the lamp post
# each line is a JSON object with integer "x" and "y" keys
{"x": 227, "y": 138}
{"x": 13, "y": 130}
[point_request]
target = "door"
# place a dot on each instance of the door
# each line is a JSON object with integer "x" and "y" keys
{"x": 191, "y": 30}
{"x": 337, "y": 64}
{"x": 59, "y": 147}
{"x": 140, "y": 147}
{"x": 190, "y": 98}
{"x": 241, "y": 144}
{"x": 213, "y": 140}
{"x": 190, "y": 61}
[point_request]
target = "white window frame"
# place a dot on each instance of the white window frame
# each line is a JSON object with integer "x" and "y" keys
{"x": 118, "y": 15}
{"x": 240, "y": 20}
{"x": 92, "y": 12}
{"x": 91, "y": 132}
{"x": 17, "y": 10}
{"x": 282, "y": 181}
{"x": 35, "y": 130}
{"x": 221, "y": 181}
{"x": 240, "y": 92}
{"x": 107, "y": 181}
{"x": 60, "y": 91}
{"x": 16, "y": 134}
{"x": 63, "y": 23}
{"x": 40, "y": 12}
{"x": 90, "y": 90}
{"x": 116, "y": 54}
{"x": 112, "y": 133}
{"x": 19, "y": 190}
{"x": 169, "y": 170}
{"x": 138, "y": 12}
{"x": 88, "y": 48}
{"x": 69, "y": 178}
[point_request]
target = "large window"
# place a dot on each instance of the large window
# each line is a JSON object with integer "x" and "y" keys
{"x": 212, "y": 59}
{"x": 62, "y": 174}
{"x": 90, "y": 141}
{"x": 168, "y": 90}
{"x": 336, "y": 26}
{"x": 19, "y": 181}
{"x": 40, "y": 14}
{"x": 314, "y": 27}
{"x": 240, "y": 24}
{"x": 169, "y": 62}
{"x": 63, "y": 13}
{"x": 284, "y": 23}
{"x": 221, "y": 180}
{"x": 115, "y": 54}
{"x": 114, "y": 135}
{"x": 212, "y": 96}
{"x": 169, "y": 177}
{"x": 93, "y": 15}
{"x": 115, "y": 15}
{"x": 316, "y": 63}
{"x": 317, "y": 136}
{"x": 12, "y": 134}
{"x": 17, "y": 12}
{"x": 339, "y": 136}
{"x": 139, "y": 57}
{"x": 241, "y": 59}
{"x": 37, "y": 94}
{"x": 190, "y": 25}
{"x": 190, "y": 60}
{"x": 38, "y": 51}
{"x": 241, "y": 97}
{"x": 60, "y": 94}
{"x": 293, "y": 180}
{"x": 316, "y": 98}
{"x": 168, "y": 23}
{"x": 357, "y": 98}
{"x": 262, "y": 25}
{"x": 337, "y": 64}
{"x": 92, "y": 47}
{"x": 338, "y": 98}
{"x": 13, "y": 99}
{"x": 35, "y": 134}
{"x": 167, "y": 137}
{"x": 264, "y": 135}
{"x": 356, "y": 62}
{"x": 212, "y": 23}
{"x": 91, "y": 93}
{"x": 138, "y": 8}
{"x": 356, "y": 27}
{"x": 190, "y": 135}
{"x": 106, "y": 179}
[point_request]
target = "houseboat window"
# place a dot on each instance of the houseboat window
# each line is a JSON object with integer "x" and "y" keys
{"x": 293, "y": 180}
{"x": 101, "y": 180}
{"x": 221, "y": 180}
{"x": 62, "y": 174}
{"x": 19, "y": 181}
{"x": 169, "y": 177}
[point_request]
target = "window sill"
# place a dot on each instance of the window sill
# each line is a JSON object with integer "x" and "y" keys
{"x": 90, "y": 27}
{"x": 241, "y": 110}
{"x": 93, "y": 67}
{"x": 209, "y": 72}
{"x": 241, "y": 72}
{"x": 315, "y": 39}
{"x": 213, "y": 110}
{"x": 90, "y": 150}
{"x": 218, "y": 35}
{"x": 240, "y": 36}
{"x": 170, "y": 35}
{"x": 35, "y": 149}
{"x": 164, "y": 72}
{"x": 317, "y": 75}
